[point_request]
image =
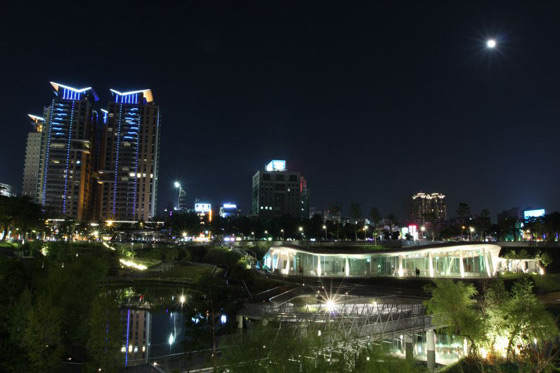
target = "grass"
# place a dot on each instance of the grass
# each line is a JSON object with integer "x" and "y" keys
{"x": 548, "y": 283}
{"x": 186, "y": 273}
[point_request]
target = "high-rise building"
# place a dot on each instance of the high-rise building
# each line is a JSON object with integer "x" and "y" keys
{"x": 65, "y": 153}
{"x": 33, "y": 153}
{"x": 129, "y": 157}
{"x": 430, "y": 208}
{"x": 277, "y": 192}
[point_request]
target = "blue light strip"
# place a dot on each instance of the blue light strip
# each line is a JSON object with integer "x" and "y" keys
{"x": 127, "y": 99}
{"x": 66, "y": 173}
{"x": 136, "y": 167}
{"x": 117, "y": 162}
{"x": 127, "y": 336}
{"x": 47, "y": 154}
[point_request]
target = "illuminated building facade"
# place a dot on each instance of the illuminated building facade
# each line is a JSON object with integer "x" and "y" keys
{"x": 33, "y": 153}
{"x": 429, "y": 208}
{"x": 65, "y": 174}
{"x": 228, "y": 210}
{"x": 129, "y": 157}
{"x": 447, "y": 260}
{"x": 277, "y": 192}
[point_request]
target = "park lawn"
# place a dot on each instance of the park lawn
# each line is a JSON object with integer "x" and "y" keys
{"x": 186, "y": 273}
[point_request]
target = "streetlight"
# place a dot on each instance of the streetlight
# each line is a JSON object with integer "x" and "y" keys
{"x": 491, "y": 43}
{"x": 423, "y": 229}
{"x": 281, "y": 230}
{"x": 365, "y": 232}
{"x": 326, "y": 233}
{"x": 471, "y": 229}
{"x": 301, "y": 231}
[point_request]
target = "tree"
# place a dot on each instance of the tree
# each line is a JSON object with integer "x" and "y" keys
{"x": 453, "y": 304}
{"x": 393, "y": 222}
{"x": 309, "y": 348}
{"x": 19, "y": 213}
{"x": 336, "y": 209}
{"x": 463, "y": 212}
{"x": 356, "y": 215}
{"x": 526, "y": 318}
{"x": 42, "y": 336}
{"x": 105, "y": 334}
{"x": 375, "y": 215}
{"x": 483, "y": 223}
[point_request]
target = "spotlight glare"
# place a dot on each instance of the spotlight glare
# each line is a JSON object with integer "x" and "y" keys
{"x": 491, "y": 43}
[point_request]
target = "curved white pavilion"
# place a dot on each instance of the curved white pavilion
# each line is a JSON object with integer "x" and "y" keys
{"x": 455, "y": 260}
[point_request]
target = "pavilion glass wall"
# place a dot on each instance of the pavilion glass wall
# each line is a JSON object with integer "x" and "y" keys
{"x": 359, "y": 267}
{"x": 383, "y": 265}
{"x": 420, "y": 261}
{"x": 474, "y": 263}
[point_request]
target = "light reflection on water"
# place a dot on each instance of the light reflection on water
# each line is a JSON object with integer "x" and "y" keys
{"x": 151, "y": 334}
{"x": 449, "y": 348}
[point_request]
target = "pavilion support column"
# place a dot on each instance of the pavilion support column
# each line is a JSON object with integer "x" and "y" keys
{"x": 431, "y": 264}
{"x": 486, "y": 263}
{"x": 461, "y": 264}
{"x": 346, "y": 267}
{"x": 408, "y": 346}
{"x": 400, "y": 272}
{"x": 431, "y": 349}
{"x": 319, "y": 265}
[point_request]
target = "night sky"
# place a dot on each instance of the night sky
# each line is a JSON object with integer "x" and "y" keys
{"x": 371, "y": 103}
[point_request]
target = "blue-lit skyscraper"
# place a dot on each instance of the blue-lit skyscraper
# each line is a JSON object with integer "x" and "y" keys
{"x": 65, "y": 169}
{"x": 129, "y": 157}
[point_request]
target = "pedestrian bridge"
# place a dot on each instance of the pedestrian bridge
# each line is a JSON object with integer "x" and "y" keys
{"x": 347, "y": 316}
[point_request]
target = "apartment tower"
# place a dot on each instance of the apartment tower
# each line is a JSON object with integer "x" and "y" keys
{"x": 129, "y": 142}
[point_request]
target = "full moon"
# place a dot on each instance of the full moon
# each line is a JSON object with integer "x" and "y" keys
{"x": 491, "y": 43}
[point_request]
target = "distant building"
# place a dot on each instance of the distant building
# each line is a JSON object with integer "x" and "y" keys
{"x": 64, "y": 164}
{"x": 6, "y": 190}
{"x": 277, "y": 192}
{"x": 228, "y": 210}
{"x": 430, "y": 208}
{"x": 129, "y": 157}
{"x": 182, "y": 199}
{"x": 32, "y": 163}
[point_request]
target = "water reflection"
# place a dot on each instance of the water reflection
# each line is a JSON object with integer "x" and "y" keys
{"x": 449, "y": 348}
{"x": 148, "y": 335}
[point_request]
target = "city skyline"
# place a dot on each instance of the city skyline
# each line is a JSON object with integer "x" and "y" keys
{"x": 334, "y": 95}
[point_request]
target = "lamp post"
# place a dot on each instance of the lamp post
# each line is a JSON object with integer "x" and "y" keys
{"x": 301, "y": 231}
{"x": 423, "y": 230}
{"x": 365, "y": 232}
{"x": 326, "y": 233}
{"x": 282, "y": 231}
{"x": 471, "y": 229}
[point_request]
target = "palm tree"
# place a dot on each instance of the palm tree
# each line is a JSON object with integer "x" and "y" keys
{"x": 355, "y": 214}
